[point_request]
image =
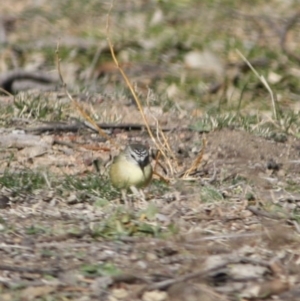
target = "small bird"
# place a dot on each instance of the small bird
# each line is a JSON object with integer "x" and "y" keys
{"x": 131, "y": 169}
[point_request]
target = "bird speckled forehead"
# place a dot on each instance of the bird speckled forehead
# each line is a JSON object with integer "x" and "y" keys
{"x": 139, "y": 149}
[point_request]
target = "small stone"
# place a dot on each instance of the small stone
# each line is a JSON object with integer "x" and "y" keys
{"x": 155, "y": 296}
{"x": 151, "y": 256}
{"x": 142, "y": 264}
{"x": 4, "y": 202}
{"x": 72, "y": 199}
{"x": 119, "y": 293}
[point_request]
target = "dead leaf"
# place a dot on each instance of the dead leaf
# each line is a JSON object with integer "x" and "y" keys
{"x": 242, "y": 271}
{"x": 6, "y": 297}
{"x": 192, "y": 292}
{"x": 34, "y": 151}
{"x": 274, "y": 287}
{"x": 32, "y": 292}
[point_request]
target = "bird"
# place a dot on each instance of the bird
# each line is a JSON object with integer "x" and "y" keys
{"x": 131, "y": 169}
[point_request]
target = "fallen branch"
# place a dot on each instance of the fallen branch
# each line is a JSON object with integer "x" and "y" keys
{"x": 9, "y": 78}
{"x": 260, "y": 212}
{"x": 59, "y": 127}
{"x": 162, "y": 285}
{"x": 56, "y": 127}
{"x": 53, "y": 272}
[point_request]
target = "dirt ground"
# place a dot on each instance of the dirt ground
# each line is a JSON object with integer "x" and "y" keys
{"x": 229, "y": 228}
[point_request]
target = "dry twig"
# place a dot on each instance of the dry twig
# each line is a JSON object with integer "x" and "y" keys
{"x": 75, "y": 103}
{"x": 161, "y": 147}
{"x": 206, "y": 272}
{"x": 197, "y": 160}
{"x": 260, "y": 212}
{"x": 53, "y": 272}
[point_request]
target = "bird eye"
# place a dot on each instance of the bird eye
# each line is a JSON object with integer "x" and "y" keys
{"x": 134, "y": 156}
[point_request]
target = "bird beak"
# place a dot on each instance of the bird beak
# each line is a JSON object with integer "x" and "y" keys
{"x": 142, "y": 166}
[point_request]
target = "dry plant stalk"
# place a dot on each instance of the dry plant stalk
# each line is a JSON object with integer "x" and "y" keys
{"x": 83, "y": 113}
{"x": 6, "y": 92}
{"x": 162, "y": 148}
{"x": 264, "y": 82}
{"x": 154, "y": 168}
{"x": 160, "y": 133}
{"x": 197, "y": 160}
